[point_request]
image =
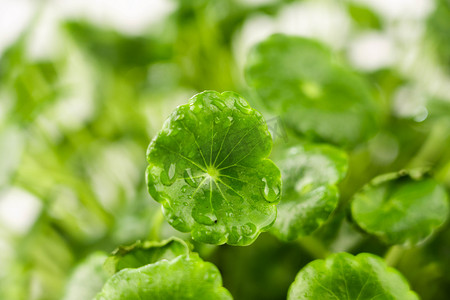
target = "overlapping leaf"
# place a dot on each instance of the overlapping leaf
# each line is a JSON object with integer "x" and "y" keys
{"x": 299, "y": 79}
{"x": 344, "y": 276}
{"x": 310, "y": 195}
{"x": 185, "y": 277}
{"x": 400, "y": 209}
{"x": 208, "y": 168}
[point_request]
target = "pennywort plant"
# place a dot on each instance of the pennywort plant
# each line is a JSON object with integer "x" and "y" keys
{"x": 214, "y": 172}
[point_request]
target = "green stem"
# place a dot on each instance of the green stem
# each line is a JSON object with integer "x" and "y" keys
{"x": 433, "y": 148}
{"x": 158, "y": 218}
{"x": 314, "y": 247}
{"x": 393, "y": 255}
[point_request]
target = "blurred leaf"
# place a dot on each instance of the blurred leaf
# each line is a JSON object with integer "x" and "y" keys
{"x": 208, "y": 168}
{"x": 310, "y": 195}
{"x": 117, "y": 50}
{"x": 400, "y": 209}
{"x": 33, "y": 85}
{"x": 364, "y": 17}
{"x": 299, "y": 79}
{"x": 439, "y": 30}
{"x": 12, "y": 144}
{"x": 87, "y": 278}
{"x": 344, "y": 276}
{"x": 185, "y": 277}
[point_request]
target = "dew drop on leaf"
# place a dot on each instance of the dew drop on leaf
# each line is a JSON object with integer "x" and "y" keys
{"x": 248, "y": 229}
{"x": 205, "y": 218}
{"x": 219, "y": 104}
{"x": 168, "y": 177}
{"x": 270, "y": 193}
{"x": 180, "y": 116}
{"x": 189, "y": 178}
{"x": 229, "y": 214}
{"x": 243, "y": 106}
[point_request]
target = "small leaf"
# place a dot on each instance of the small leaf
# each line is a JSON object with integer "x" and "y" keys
{"x": 344, "y": 276}
{"x": 400, "y": 209}
{"x": 87, "y": 279}
{"x": 299, "y": 79}
{"x": 185, "y": 277}
{"x": 310, "y": 195}
{"x": 208, "y": 168}
{"x": 143, "y": 253}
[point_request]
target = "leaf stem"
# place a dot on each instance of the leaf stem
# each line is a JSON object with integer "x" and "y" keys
{"x": 393, "y": 255}
{"x": 158, "y": 218}
{"x": 314, "y": 247}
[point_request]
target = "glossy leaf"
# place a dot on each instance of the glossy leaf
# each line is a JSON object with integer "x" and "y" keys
{"x": 299, "y": 79}
{"x": 400, "y": 209}
{"x": 143, "y": 253}
{"x": 310, "y": 195}
{"x": 344, "y": 276}
{"x": 185, "y": 277}
{"x": 87, "y": 279}
{"x": 208, "y": 168}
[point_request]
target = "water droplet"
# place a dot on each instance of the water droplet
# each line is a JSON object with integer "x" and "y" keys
{"x": 184, "y": 189}
{"x": 196, "y": 106}
{"x": 210, "y": 276}
{"x": 229, "y": 214}
{"x": 185, "y": 203}
{"x": 217, "y": 120}
{"x": 231, "y": 119}
{"x": 179, "y": 116}
{"x": 172, "y": 171}
{"x": 270, "y": 192}
{"x": 205, "y": 218}
{"x": 219, "y": 104}
{"x": 189, "y": 178}
{"x": 248, "y": 229}
{"x": 168, "y": 177}
{"x": 242, "y": 106}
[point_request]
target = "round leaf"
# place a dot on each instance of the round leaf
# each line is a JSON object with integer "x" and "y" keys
{"x": 299, "y": 79}
{"x": 185, "y": 277}
{"x": 344, "y": 276}
{"x": 400, "y": 209}
{"x": 143, "y": 253}
{"x": 310, "y": 195}
{"x": 208, "y": 168}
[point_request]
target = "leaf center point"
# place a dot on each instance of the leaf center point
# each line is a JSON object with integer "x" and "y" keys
{"x": 213, "y": 172}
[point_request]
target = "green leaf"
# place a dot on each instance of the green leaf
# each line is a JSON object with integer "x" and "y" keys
{"x": 364, "y": 17}
{"x": 185, "y": 277}
{"x": 344, "y": 276}
{"x": 299, "y": 79}
{"x": 310, "y": 194}
{"x": 400, "y": 209}
{"x": 143, "y": 253}
{"x": 88, "y": 278}
{"x": 208, "y": 168}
